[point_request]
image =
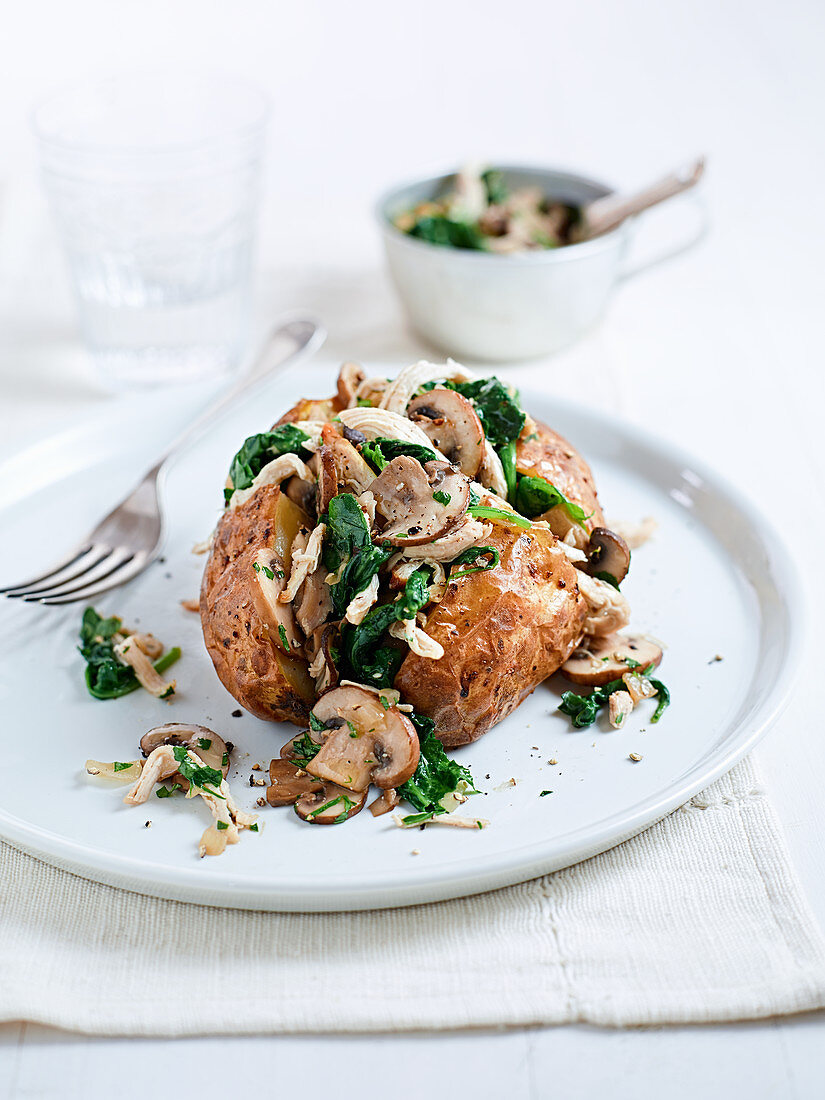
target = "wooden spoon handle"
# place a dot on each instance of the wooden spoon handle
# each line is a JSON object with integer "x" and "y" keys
{"x": 605, "y": 214}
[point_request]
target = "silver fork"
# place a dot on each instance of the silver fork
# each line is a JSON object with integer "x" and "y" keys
{"x": 129, "y": 537}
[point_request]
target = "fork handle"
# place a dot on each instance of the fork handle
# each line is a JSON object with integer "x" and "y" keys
{"x": 292, "y": 339}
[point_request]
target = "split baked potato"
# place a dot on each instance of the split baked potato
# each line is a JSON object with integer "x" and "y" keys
{"x": 421, "y": 540}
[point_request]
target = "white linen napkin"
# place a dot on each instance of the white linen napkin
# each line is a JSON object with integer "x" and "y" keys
{"x": 699, "y": 919}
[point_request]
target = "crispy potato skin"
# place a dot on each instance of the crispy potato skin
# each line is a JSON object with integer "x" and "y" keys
{"x": 250, "y": 665}
{"x": 553, "y": 458}
{"x": 503, "y": 631}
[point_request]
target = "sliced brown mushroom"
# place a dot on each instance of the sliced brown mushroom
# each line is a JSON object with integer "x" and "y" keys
{"x": 607, "y": 553}
{"x": 605, "y": 659}
{"x": 331, "y": 805}
{"x": 288, "y": 783}
{"x": 303, "y": 493}
{"x": 453, "y": 425}
{"x": 419, "y": 503}
{"x": 342, "y": 469}
{"x": 385, "y": 802}
{"x": 313, "y": 603}
{"x": 350, "y": 377}
{"x": 289, "y": 749}
{"x": 205, "y": 743}
{"x": 370, "y": 745}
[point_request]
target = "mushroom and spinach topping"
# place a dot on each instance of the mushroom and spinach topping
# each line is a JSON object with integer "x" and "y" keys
{"x": 635, "y": 681}
{"x": 481, "y": 212}
{"x": 419, "y": 504}
{"x": 119, "y": 661}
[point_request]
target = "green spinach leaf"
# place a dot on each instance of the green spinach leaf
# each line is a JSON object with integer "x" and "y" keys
{"x": 259, "y": 450}
{"x": 106, "y": 677}
{"x": 536, "y": 495}
{"x": 448, "y": 232}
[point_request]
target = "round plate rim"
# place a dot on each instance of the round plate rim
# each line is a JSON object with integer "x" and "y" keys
{"x": 342, "y": 893}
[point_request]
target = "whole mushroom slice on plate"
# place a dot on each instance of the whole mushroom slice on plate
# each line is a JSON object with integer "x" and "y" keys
{"x": 453, "y": 425}
{"x": 609, "y": 658}
{"x": 331, "y": 805}
{"x": 607, "y": 553}
{"x": 364, "y": 742}
{"x": 205, "y": 743}
{"x": 419, "y": 503}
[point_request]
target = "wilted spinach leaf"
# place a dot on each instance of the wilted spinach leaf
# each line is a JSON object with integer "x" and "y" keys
{"x": 259, "y": 450}
{"x": 500, "y": 414}
{"x": 497, "y": 189}
{"x": 363, "y": 656}
{"x": 436, "y": 775}
{"x": 347, "y": 531}
{"x": 441, "y": 230}
{"x": 380, "y": 451}
{"x": 536, "y": 495}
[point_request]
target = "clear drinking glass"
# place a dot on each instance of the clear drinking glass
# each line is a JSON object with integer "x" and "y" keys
{"x": 155, "y": 183}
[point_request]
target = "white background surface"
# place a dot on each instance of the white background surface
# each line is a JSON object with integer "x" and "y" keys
{"x": 720, "y": 351}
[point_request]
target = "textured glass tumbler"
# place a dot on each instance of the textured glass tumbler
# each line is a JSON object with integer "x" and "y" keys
{"x": 154, "y": 180}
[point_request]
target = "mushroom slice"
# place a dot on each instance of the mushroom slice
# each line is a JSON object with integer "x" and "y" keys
{"x": 211, "y": 748}
{"x": 385, "y": 802}
{"x": 398, "y": 393}
{"x": 313, "y": 603}
{"x": 293, "y": 750}
{"x": 604, "y": 659}
{"x": 332, "y": 805}
{"x": 270, "y": 577}
{"x": 350, "y": 377}
{"x": 419, "y": 503}
{"x": 305, "y": 560}
{"x": 342, "y": 469}
{"x": 608, "y": 553}
{"x": 460, "y": 538}
{"x": 371, "y": 745}
{"x": 288, "y": 783}
{"x": 452, "y": 424}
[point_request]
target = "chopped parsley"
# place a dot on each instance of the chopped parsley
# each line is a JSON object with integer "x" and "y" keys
{"x": 203, "y": 776}
{"x": 267, "y": 572}
{"x": 442, "y": 498}
{"x": 284, "y": 639}
{"x": 543, "y": 793}
{"x": 204, "y": 743}
{"x": 222, "y": 824}
{"x": 167, "y": 792}
{"x": 303, "y": 747}
{"x": 348, "y": 805}
{"x": 122, "y": 766}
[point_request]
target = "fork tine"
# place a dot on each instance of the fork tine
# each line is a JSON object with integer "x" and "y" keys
{"x": 82, "y": 560}
{"x": 108, "y": 564}
{"x": 120, "y": 576}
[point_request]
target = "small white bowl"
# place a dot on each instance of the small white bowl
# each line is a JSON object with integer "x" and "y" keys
{"x": 493, "y": 307}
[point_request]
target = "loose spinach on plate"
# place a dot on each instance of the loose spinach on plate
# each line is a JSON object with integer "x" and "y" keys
{"x": 106, "y": 677}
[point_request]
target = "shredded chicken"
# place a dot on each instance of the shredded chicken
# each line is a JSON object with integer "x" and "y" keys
{"x": 128, "y": 652}
{"x": 191, "y": 605}
{"x": 491, "y": 473}
{"x": 304, "y": 562}
{"x": 360, "y": 604}
{"x": 419, "y": 642}
{"x": 320, "y": 672}
{"x": 403, "y": 570}
{"x": 371, "y": 388}
{"x": 313, "y": 429}
{"x": 466, "y": 534}
{"x": 366, "y": 502}
{"x": 635, "y": 534}
{"x": 577, "y": 537}
{"x": 276, "y": 471}
{"x": 162, "y": 764}
{"x": 607, "y": 609}
{"x": 572, "y": 553}
{"x": 381, "y": 422}
{"x": 620, "y": 705}
{"x": 401, "y": 390}
{"x": 469, "y": 198}
{"x": 204, "y": 546}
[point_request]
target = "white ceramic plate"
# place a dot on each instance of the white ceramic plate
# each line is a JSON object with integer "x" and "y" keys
{"x": 714, "y": 580}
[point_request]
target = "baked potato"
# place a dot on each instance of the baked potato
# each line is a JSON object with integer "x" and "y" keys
{"x": 420, "y": 539}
